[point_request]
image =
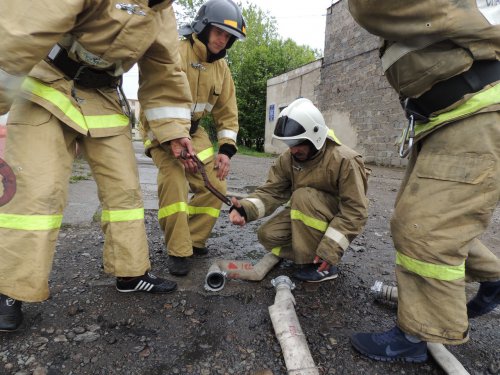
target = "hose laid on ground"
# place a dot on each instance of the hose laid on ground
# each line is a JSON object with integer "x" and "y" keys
{"x": 293, "y": 342}
{"x": 441, "y": 355}
{"x": 238, "y": 269}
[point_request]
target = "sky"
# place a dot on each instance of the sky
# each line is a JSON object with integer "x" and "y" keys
{"x": 302, "y": 21}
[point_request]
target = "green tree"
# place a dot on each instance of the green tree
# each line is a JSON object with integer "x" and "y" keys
{"x": 263, "y": 55}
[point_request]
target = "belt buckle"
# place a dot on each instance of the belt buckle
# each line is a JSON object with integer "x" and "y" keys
{"x": 409, "y": 132}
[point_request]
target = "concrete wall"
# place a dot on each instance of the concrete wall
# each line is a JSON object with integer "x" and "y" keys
{"x": 284, "y": 89}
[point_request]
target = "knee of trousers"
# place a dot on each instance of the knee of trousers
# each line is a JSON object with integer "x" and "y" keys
{"x": 266, "y": 236}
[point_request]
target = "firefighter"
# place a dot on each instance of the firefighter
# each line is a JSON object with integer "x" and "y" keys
{"x": 60, "y": 71}
{"x": 442, "y": 57}
{"x": 322, "y": 186}
{"x": 187, "y": 223}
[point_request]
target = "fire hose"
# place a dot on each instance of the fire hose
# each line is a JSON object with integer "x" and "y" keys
{"x": 8, "y": 182}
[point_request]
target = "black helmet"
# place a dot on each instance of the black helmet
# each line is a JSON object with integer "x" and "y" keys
{"x": 224, "y": 14}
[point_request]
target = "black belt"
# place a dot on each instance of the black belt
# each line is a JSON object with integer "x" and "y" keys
{"x": 445, "y": 93}
{"x": 82, "y": 75}
{"x": 194, "y": 126}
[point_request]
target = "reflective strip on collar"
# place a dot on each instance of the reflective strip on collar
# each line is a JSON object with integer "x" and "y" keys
{"x": 30, "y": 222}
{"x": 429, "y": 270}
{"x": 114, "y": 216}
{"x": 161, "y": 113}
{"x": 332, "y": 135}
{"x": 210, "y": 211}
{"x": 172, "y": 209}
{"x": 10, "y": 81}
{"x": 227, "y": 134}
{"x": 259, "y": 205}
{"x": 205, "y": 154}
{"x": 64, "y": 104}
{"x": 338, "y": 237}
{"x": 309, "y": 221}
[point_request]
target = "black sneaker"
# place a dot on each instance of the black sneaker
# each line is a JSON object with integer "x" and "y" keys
{"x": 393, "y": 345}
{"x": 178, "y": 266}
{"x": 147, "y": 283}
{"x": 198, "y": 251}
{"x": 11, "y": 315}
{"x": 486, "y": 299}
{"x": 311, "y": 274}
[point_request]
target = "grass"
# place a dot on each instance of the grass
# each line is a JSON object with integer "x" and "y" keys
{"x": 242, "y": 150}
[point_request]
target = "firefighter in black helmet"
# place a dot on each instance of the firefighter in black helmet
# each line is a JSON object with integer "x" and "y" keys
{"x": 187, "y": 223}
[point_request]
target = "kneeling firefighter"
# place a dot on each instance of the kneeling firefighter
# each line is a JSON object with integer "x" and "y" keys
{"x": 187, "y": 223}
{"x": 442, "y": 57}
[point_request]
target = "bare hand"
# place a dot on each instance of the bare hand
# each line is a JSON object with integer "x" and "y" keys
{"x": 182, "y": 149}
{"x": 235, "y": 216}
{"x": 222, "y": 164}
{"x": 324, "y": 264}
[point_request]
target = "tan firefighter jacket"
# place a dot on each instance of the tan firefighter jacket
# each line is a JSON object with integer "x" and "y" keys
{"x": 426, "y": 42}
{"x": 212, "y": 90}
{"x": 106, "y": 35}
{"x": 337, "y": 170}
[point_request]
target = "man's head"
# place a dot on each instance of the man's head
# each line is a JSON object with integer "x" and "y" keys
{"x": 217, "y": 18}
{"x": 301, "y": 127}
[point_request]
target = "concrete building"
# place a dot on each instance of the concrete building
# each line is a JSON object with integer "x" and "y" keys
{"x": 349, "y": 88}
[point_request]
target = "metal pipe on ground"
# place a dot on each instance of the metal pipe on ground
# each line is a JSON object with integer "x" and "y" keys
{"x": 238, "y": 269}
{"x": 441, "y": 355}
{"x": 298, "y": 359}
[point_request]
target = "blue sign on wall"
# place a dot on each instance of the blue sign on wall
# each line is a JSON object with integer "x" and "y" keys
{"x": 271, "y": 112}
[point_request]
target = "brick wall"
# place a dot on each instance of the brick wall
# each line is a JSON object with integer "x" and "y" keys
{"x": 354, "y": 95}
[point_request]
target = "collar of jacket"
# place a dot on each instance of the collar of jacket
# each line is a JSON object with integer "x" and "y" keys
{"x": 201, "y": 50}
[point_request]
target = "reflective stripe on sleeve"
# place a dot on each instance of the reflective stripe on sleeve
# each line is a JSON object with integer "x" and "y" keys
{"x": 429, "y": 270}
{"x": 210, "y": 211}
{"x": 172, "y": 209}
{"x": 30, "y": 222}
{"x": 261, "y": 209}
{"x": 161, "y": 113}
{"x": 114, "y": 216}
{"x": 10, "y": 81}
{"x": 64, "y": 104}
{"x": 227, "y": 134}
{"x": 309, "y": 221}
{"x": 338, "y": 237}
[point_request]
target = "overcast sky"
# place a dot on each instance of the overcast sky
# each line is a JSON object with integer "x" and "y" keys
{"x": 302, "y": 21}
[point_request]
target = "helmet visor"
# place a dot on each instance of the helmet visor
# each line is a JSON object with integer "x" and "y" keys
{"x": 287, "y": 128}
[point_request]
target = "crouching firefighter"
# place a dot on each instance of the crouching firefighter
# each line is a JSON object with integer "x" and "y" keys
{"x": 60, "y": 72}
{"x": 443, "y": 59}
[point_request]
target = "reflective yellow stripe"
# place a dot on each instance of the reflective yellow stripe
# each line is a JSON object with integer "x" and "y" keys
{"x": 231, "y": 23}
{"x": 172, "y": 209}
{"x": 433, "y": 271}
{"x": 122, "y": 215}
{"x": 66, "y": 106}
{"x": 276, "y": 251}
{"x": 30, "y": 222}
{"x": 205, "y": 154}
{"x": 193, "y": 210}
{"x": 147, "y": 143}
{"x": 309, "y": 221}
{"x": 476, "y": 103}
{"x": 332, "y": 135}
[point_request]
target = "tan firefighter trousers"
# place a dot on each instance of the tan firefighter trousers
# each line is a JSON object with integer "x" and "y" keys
{"x": 187, "y": 222}
{"x": 298, "y": 239}
{"x": 450, "y": 190}
{"x": 40, "y": 149}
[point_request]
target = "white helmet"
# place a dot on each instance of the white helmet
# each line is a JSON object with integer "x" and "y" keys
{"x": 301, "y": 121}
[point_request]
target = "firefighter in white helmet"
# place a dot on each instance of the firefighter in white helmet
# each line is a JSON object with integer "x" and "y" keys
{"x": 321, "y": 186}
{"x": 61, "y": 65}
{"x": 187, "y": 223}
{"x": 442, "y": 57}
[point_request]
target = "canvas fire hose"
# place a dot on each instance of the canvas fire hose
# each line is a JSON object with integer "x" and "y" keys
{"x": 206, "y": 181}
{"x": 8, "y": 182}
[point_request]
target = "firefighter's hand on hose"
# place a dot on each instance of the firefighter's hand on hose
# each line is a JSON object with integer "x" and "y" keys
{"x": 324, "y": 264}
{"x": 182, "y": 149}
{"x": 237, "y": 214}
{"x": 222, "y": 164}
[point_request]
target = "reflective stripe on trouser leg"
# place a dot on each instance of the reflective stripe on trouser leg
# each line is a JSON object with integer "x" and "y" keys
{"x": 40, "y": 150}
{"x": 172, "y": 195}
{"x": 447, "y": 200}
{"x": 112, "y": 160}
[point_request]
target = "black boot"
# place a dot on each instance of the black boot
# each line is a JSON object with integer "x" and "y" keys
{"x": 11, "y": 315}
{"x": 178, "y": 266}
